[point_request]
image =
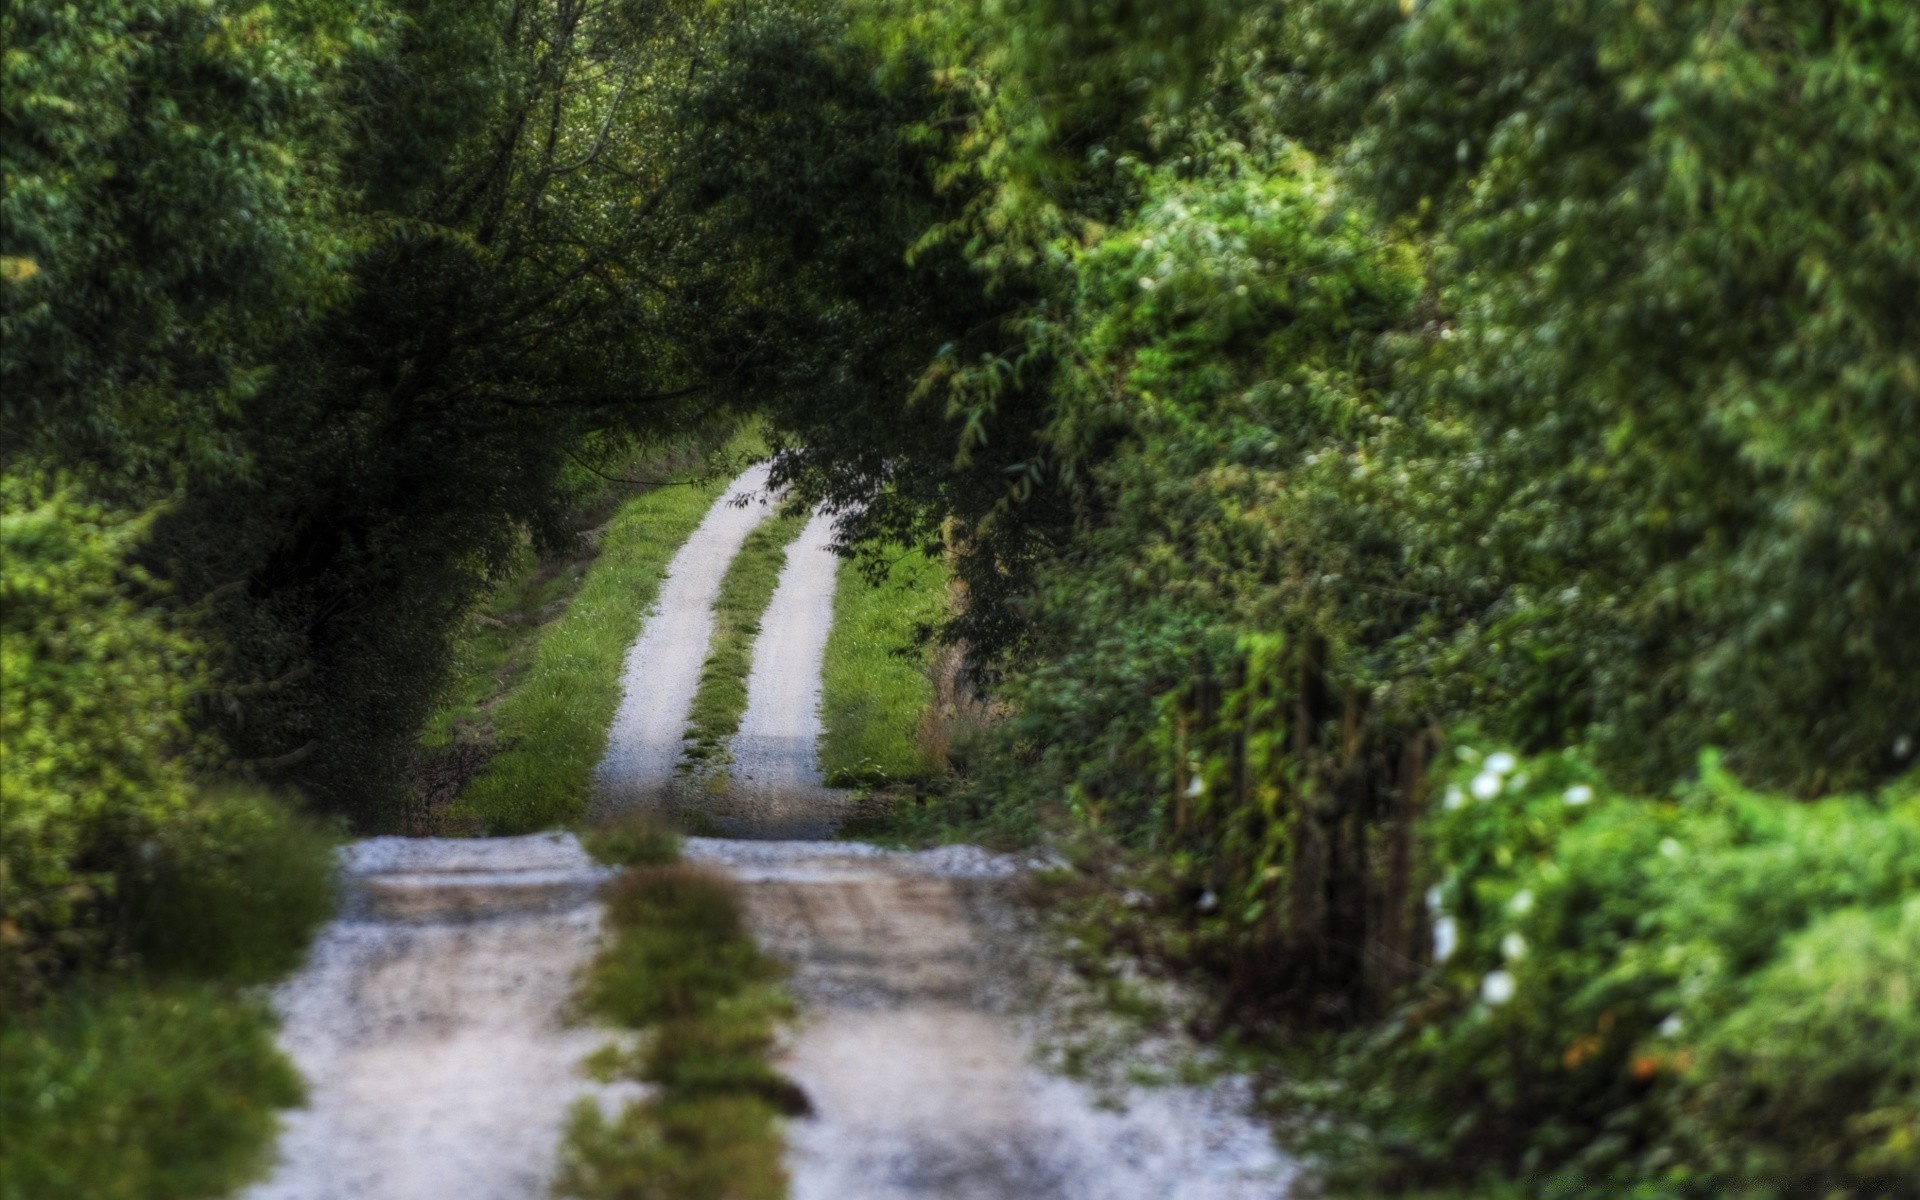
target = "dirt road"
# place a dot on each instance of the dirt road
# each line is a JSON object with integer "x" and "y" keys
{"x": 430, "y": 1025}
{"x": 917, "y": 1053}
{"x": 431, "y": 1021}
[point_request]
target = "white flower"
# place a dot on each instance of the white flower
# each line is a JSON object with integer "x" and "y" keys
{"x": 1497, "y": 987}
{"x": 1208, "y": 901}
{"x": 1672, "y": 1026}
{"x": 1579, "y": 793}
{"x": 1902, "y": 746}
{"x": 1435, "y": 897}
{"x": 1500, "y": 762}
{"x": 1196, "y": 787}
{"x": 1513, "y": 946}
{"x": 1146, "y": 283}
{"x": 1670, "y": 848}
{"x": 1485, "y": 786}
{"x": 1446, "y": 938}
{"x": 1454, "y": 797}
{"x": 1522, "y": 902}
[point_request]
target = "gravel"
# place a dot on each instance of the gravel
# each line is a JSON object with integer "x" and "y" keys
{"x": 430, "y": 1023}
{"x": 662, "y": 670}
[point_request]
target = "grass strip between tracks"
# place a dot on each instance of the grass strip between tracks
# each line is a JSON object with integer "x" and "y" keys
{"x": 680, "y": 965}
{"x": 553, "y": 724}
{"x": 745, "y": 592}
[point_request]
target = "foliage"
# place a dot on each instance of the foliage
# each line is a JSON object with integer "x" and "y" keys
{"x": 682, "y": 963}
{"x": 1705, "y": 996}
{"x": 631, "y": 840}
{"x": 172, "y": 212}
{"x": 91, "y": 723}
{"x": 132, "y": 1092}
{"x": 1352, "y": 370}
{"x": 232, "y": 892}
{"x": 708, "y": 1148}
{"x": 364, "y": 290}
{"x": 680, "y": 948}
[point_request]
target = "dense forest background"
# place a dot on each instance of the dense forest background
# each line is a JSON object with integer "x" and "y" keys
{"x": 1436, "y": 480}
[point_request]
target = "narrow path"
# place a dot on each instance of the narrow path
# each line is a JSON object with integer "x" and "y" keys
{"x": 430, "y": 1021}
{"x": 662, "y": 671}
{"x": 919, "y": 1058}
{"x": 921, "y": 1073}
{"x": 774, "y": 785}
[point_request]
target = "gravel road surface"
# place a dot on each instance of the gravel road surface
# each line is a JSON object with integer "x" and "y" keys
{"x": 918, "y": 1053}
{"x": 662, "y": 671}
{"x": 429, "y": 1023}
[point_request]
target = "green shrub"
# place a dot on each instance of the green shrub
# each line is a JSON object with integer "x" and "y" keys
{"x": 723, "y": 1147}
{"x": 1814, "y": 1074}
{"x": 679, "y": 948}
{"x": 93, "y": 692}
{"x": 1711, "y": 995}
{"x": 233, "y": 892}
{"x": 681, "y": 965}
{"x": 120, "y": 1091}
{"x": 875, "y": 687}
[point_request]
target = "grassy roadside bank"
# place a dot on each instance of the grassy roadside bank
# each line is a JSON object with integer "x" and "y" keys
{"x": 680, "y": 967}
{"x": 877, "y": 693}
{"x": 549, "y": 726}
{"x": 745, "y": 592}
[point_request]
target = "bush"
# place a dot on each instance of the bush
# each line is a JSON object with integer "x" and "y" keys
{"x": 234, "y": 892}
{"x": 93, "y": 688}
{"x": 122, "y": 1092}
{"x": 1710, "y": 995}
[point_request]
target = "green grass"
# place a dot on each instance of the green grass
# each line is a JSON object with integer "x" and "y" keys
{"x": 502, "y": 641}
{"x": 681, "y": 965}
{"x": 876, "y": 687}
{"x": 552, "y": 727}
{"x": 745, "y": 593}
{"x": 124, "y": 1090}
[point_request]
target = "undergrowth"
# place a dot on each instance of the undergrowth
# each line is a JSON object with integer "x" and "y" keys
{"x": 681, "y": 966}
{"x": 119, "y": 1090}
{"x": 153, "y": 1074}
{"x": 745, "y": 591}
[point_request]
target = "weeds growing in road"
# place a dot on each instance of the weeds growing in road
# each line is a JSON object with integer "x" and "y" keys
{"x": 681, "y": 966}
{"x": 631, "y": 840}
{"x": 745, "y": 592}
{"x": 553, "y": 724}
